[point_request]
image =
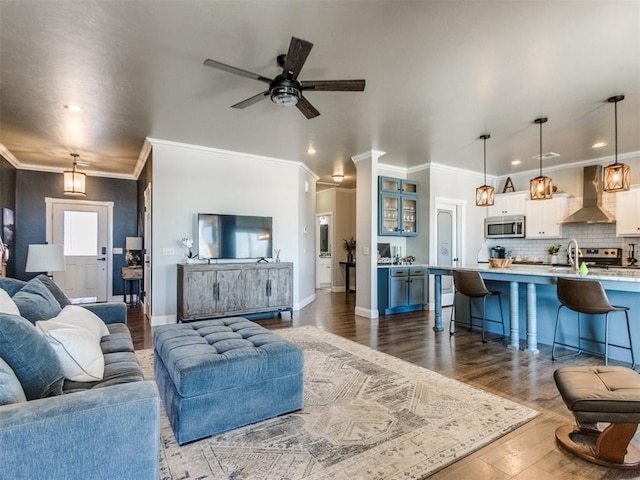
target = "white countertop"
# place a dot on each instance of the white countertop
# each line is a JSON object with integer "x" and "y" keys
{"x": 618, "y": 274}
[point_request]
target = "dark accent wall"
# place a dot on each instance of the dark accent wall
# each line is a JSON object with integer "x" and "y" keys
{"x": 8, "y": 200}
{"x": 32, "y": 188}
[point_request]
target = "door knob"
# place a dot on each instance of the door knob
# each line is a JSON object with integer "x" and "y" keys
{"x": 103, "y": 259}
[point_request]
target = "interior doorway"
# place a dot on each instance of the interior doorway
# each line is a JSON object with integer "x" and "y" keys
{"x": 85, "y": 228}
{"x": 448, "y": 241}
{"x": 324, "y": 250}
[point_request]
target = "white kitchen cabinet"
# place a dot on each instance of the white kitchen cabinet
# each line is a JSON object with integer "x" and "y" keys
{"x": 628, "y": 213}
{"x": 323, "y": 272}
{"x": 543, "y": 217}
{"x": 508, "y": 204}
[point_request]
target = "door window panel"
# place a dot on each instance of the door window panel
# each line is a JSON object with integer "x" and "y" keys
{"x": 80, "y": 233}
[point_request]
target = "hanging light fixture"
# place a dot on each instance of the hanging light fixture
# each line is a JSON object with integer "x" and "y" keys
{"x": 485, "y": 194}
{"x": 74, "y": 182}
{"x": 541, "y": 187}
{"x": 617, "y": 176}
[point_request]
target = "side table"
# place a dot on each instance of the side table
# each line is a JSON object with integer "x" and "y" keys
{"x": 132, "y": 276}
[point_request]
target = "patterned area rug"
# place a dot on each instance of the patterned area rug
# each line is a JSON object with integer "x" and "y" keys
{"x": 367, "y": 415}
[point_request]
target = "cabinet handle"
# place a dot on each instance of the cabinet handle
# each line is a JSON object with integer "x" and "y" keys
{"x": 268, "y": 288}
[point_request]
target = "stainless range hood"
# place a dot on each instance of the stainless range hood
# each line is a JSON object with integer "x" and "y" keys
{"x": 591, "y": 211}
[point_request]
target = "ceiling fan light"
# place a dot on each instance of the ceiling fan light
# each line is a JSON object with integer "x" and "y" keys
{"x": 285, "y": 96}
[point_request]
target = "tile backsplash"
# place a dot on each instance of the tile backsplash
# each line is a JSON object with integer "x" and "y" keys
{"x": 587, "y": 235}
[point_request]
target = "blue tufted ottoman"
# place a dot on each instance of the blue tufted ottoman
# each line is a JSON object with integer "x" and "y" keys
{"x": 216, "y": 375}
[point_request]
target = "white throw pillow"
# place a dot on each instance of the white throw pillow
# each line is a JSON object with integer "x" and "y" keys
{"x": 78, "y": 351}
{"x": 75, "y": 316}
{"x": 7, "y": 305}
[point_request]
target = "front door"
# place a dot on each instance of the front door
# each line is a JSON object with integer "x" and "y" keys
{"x": 84, "y": 228}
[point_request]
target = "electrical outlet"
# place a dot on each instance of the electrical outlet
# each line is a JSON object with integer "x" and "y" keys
{"x": 117, "y": 251}
{"x": 365, "y": 250}
{"x": 168, "y": 251}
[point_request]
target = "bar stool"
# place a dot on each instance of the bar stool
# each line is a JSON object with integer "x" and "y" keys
{"x": 588, "y": 296}
{"x": 470, "y": 284}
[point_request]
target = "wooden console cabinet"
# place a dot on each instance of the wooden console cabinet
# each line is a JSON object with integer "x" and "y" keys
{"x": 220, "y": 290}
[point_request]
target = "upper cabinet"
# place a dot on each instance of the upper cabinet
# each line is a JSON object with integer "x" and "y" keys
{"x": 628, "y": 213}
{"x": 508, "y": 204}
{"x": 543, "y": 217}
{"x": 398, "y": 207}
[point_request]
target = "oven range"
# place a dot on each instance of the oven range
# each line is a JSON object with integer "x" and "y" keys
{"x": 601, "y": 257}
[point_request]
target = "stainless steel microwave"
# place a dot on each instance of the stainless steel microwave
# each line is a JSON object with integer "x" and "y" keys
{"x": 512, "y": 226}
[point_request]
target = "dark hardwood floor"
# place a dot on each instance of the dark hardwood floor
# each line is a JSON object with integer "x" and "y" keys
{"x": 527, "y": 453}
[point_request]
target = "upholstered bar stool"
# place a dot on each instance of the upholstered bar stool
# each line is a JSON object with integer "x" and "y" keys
{"x": 470, "y": 284}
{"x": 588, "y": 296}
{"x": 601, "y": 395}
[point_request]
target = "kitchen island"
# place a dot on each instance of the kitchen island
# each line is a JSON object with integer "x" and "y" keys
{"x": 535, "y": 284}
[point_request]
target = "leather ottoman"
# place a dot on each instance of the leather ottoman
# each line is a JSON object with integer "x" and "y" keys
{"x": 217, "y": 375}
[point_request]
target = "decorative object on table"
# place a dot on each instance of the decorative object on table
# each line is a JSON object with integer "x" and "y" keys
{"x": 349, "y": 246}
{"x": 409, "y": 259}
{"x": 617, "y": 176}
{"x": 188, "y": 244}
{"x": 541, "y": 187}
{"x": 277, "y": 252}
{"x": 393, "y": 416}
{"x": 553, "y": 251}
{"x": 133, "y": 247}
{"x": 632, "y": 260}
{"x": 485, "y": 194}
{"x": 500, "y": 262}
{"x": 508, "y": 186}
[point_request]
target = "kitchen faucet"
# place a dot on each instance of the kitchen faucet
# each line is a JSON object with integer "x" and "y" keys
{"x": 573, "y": 260}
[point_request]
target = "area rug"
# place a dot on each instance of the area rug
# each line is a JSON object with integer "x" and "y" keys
{"x": 366, "y": 415}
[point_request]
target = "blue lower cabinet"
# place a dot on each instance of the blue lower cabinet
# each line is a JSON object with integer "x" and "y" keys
{"x": 401, "y": 289}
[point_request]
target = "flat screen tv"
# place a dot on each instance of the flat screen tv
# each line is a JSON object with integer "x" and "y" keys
{"x": 234, "y": 236}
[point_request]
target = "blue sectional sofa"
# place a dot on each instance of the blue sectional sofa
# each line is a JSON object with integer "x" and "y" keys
{"x": 55, "y": 428}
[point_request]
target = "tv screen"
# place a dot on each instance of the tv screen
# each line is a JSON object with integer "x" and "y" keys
{"x": 234, "y": 236}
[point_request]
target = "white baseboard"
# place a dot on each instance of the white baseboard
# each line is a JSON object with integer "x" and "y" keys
{"x": 304, "y": 302}
{"x": 163, "y": 320}
{"x": 366, "y": 312}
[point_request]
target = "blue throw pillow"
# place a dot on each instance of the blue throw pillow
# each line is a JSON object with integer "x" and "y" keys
{"x": 59, "y": 295}
{"x": 10, "y": 389}
{"x": 30, "y": 356}
{"x": 11, "y": 285}
{"x": 36, "y": 302}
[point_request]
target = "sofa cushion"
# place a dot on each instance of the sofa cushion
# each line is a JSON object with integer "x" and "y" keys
{"x": 10, "y": 389}
{"x": 30, "y": 356}
{"x": 11, "y": 285}
{"x": 36, "y": 302}
{"x": 76, "y": 316}
{"x": 55, "y": 290}
{"x": 7, "y": 305}
{"x": 78, "y": 351}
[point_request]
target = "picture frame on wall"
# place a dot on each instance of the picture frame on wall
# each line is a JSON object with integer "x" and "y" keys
{"x": 8, "y": 225}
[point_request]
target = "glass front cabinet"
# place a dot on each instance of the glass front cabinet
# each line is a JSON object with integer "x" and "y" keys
{"x": 398, "y": 207}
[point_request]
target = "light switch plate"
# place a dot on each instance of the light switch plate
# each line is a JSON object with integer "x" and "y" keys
{"x": 117, "y": 251}
{"x": 168, "y": 251}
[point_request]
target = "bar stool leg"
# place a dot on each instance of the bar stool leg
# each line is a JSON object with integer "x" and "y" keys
{"x": 484, "y": 314}
{"x": 633, "y": 359}
{"x": 606, "y": 338}
{"x": 504, "y": 331}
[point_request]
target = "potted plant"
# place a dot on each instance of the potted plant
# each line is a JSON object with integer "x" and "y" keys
{"x": 349, "y": 246}
{"x": 553, "y": 251}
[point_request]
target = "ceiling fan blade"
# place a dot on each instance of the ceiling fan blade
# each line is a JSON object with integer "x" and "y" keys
{"x": 296, "y": 56}
{"x": 334, "y": 85}
{"x": 238, "y": 71}
{"x": 251, "y": 100}
{"x": 306, "y": 108}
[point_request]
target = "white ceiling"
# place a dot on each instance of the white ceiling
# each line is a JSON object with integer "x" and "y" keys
{"x": 438, "y": 73}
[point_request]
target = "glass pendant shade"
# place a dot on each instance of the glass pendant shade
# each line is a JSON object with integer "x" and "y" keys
{"x": 74, "y": 182}
{"x": 617, "y": 176}
{"x": 541, "y": 187}
{"x": 485, "y": 194}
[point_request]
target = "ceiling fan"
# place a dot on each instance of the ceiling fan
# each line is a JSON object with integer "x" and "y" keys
{"x": 285, "y": 89}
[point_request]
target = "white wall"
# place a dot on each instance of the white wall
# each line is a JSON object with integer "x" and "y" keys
{"x": 189, "y": 179}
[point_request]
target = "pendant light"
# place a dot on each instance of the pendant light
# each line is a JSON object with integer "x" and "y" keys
{"x": 617, "y": 176}
{"x": 541, "y": 187}
{"x": 74, "y": 182}
{"x": 485, "y": 194}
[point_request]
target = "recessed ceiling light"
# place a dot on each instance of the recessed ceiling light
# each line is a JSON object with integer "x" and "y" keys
{"x": 599, "y": 145}
{"x": 73, "y": 108}
{"x": 311, "y": 150}
{"x": 516, "y": 162}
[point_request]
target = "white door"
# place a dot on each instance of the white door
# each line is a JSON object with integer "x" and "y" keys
{"x": 323, "y": 250}
{"x": 146, "y": 305}
{"x": 447, "y": 244}
{"x": 85, "y": 230}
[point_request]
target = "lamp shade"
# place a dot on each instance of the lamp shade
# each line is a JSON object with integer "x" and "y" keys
{"x": 133, "y": 243}
{"x": 74, "y": 182}
{"x": 45, "y": 258}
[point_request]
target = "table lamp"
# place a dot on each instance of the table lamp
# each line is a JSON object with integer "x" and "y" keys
{"x": 45, "y": 258}
{"x": 133, "y": 245}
